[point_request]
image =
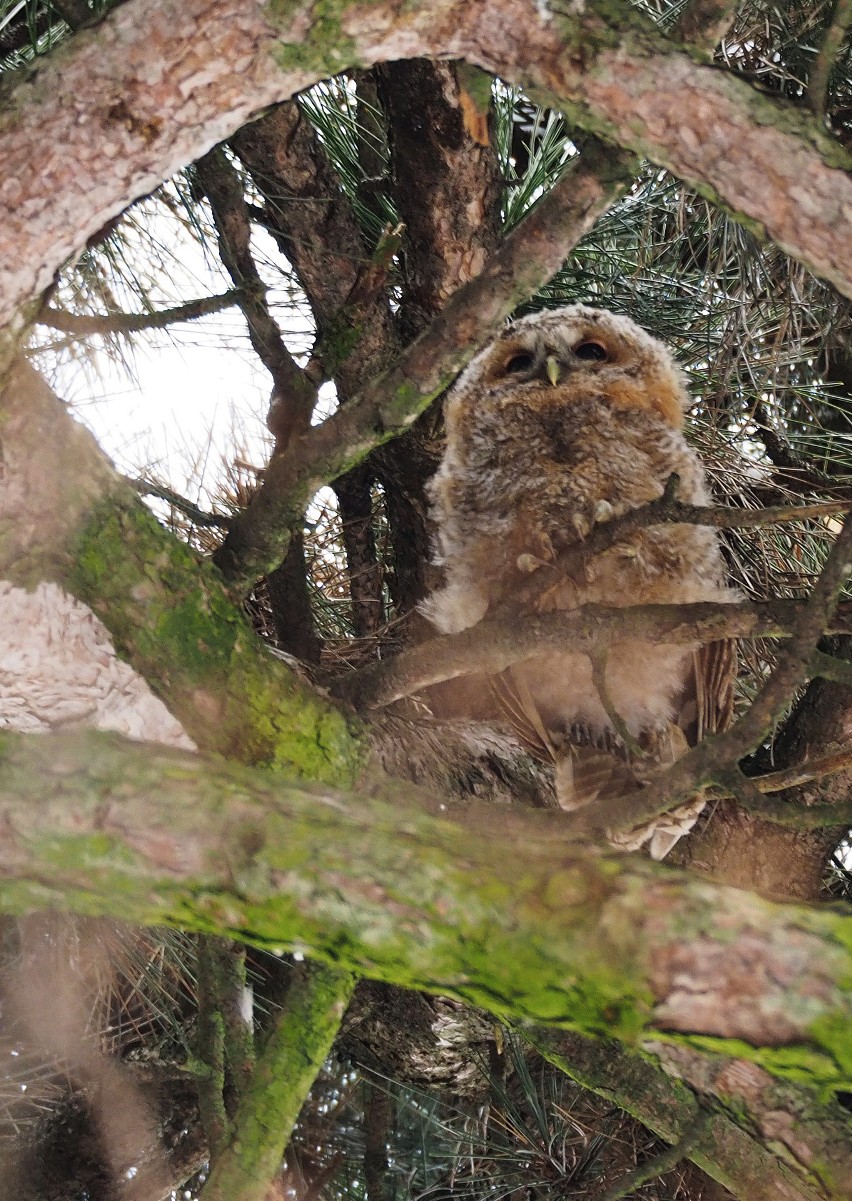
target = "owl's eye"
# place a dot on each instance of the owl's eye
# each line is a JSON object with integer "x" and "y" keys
{"x": 518, "y": 363}
{"x": 591, "y": 350}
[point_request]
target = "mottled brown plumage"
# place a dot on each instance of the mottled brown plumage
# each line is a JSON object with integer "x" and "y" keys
{"x": 570, "y": 418}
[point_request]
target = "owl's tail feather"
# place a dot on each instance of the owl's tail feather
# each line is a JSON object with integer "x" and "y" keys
{"x": 715, "y": 665}
{"x": 515, "y": 700}
{"x": 585, "y": 774}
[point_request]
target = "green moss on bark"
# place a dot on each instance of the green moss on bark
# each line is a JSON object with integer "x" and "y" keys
{"x": 171, "y": 618}
{"x": 324, "y": 49}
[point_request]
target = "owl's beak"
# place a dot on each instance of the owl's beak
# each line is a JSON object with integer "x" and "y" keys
{"x": 552, "y": 368}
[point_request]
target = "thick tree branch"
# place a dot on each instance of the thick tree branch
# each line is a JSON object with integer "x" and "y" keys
{"x": 295, "y": 1051}
{"x": 312, "y": 220}
{"x": 650, "y": 1087}
{"x": 210, "y": 1049}
{"x": 65, "y": 515}
{"x": 122, "y": 106}
{"x": 387, "y": 406}
{"x": 518, "y": 919}
{"x": 495, "y": 644}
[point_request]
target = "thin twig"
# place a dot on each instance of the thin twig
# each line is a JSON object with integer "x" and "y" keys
{"x": 841, "y": 19}
{"x": 599, "y": 657}
{"x": 666, "y": 510}
{"x": 199, "y": 516}
{"x": 81, "y": 325}
{"x": 531, "y": 253}
{"x": 658, "y": 1165}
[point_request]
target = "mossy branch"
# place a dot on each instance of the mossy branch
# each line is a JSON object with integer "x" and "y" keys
{"x": 519, "y": 918}
{"x": 65, "y": 515}
{"x": 294, "y": 1052}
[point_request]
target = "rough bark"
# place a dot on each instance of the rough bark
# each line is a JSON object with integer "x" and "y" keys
{"x": 551, "y": 932}
{"x": 65, "y": 515}
{"x": 445, "y": 181}
{"x": 665, "y": 1104}
{"x": 158, "y": 82}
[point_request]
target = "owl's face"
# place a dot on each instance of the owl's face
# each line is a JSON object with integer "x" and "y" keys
{"x": 554, "y": 357}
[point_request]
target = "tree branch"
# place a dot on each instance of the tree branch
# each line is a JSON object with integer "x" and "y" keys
{"x": 661, "y": 1163}
{"x": 495, "y": 644}
{"x": 648, "y": 1086}
{"x": 82, "y": 325}
{"x": 841, "y": 19}
{"x": 65, "y": 515}
{"x": 769, "y": 163}
{"x": 198, "y": 516}
{"x": 387, "y": 406}
{"x": 518, "y": 919}
{"x": 224, "y": 191}
{"x": 665, "y": 510}
{"x": 711, "y": 760}
{"x": 293, "y": 1055}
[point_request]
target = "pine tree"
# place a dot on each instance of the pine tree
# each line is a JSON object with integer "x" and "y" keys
{"x": 399, "y": 211}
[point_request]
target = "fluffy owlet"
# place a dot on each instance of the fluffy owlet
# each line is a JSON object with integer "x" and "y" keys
{"x": 571, "y": 418}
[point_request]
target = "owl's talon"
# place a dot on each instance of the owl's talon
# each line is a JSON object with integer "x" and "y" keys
{"x": 603, "y": 512}
{"x": 528, "y": 563}
{"x": 582, "y": 525}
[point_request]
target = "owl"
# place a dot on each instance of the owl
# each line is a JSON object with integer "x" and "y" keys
{"x": 571, "y": 418}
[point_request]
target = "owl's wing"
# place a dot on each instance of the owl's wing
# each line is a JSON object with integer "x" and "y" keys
{"x": 517, "y": 705}
{"x": 708, "y": 707}
{"x": 586, "y": 773}
{"x": 583, "y": 773}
